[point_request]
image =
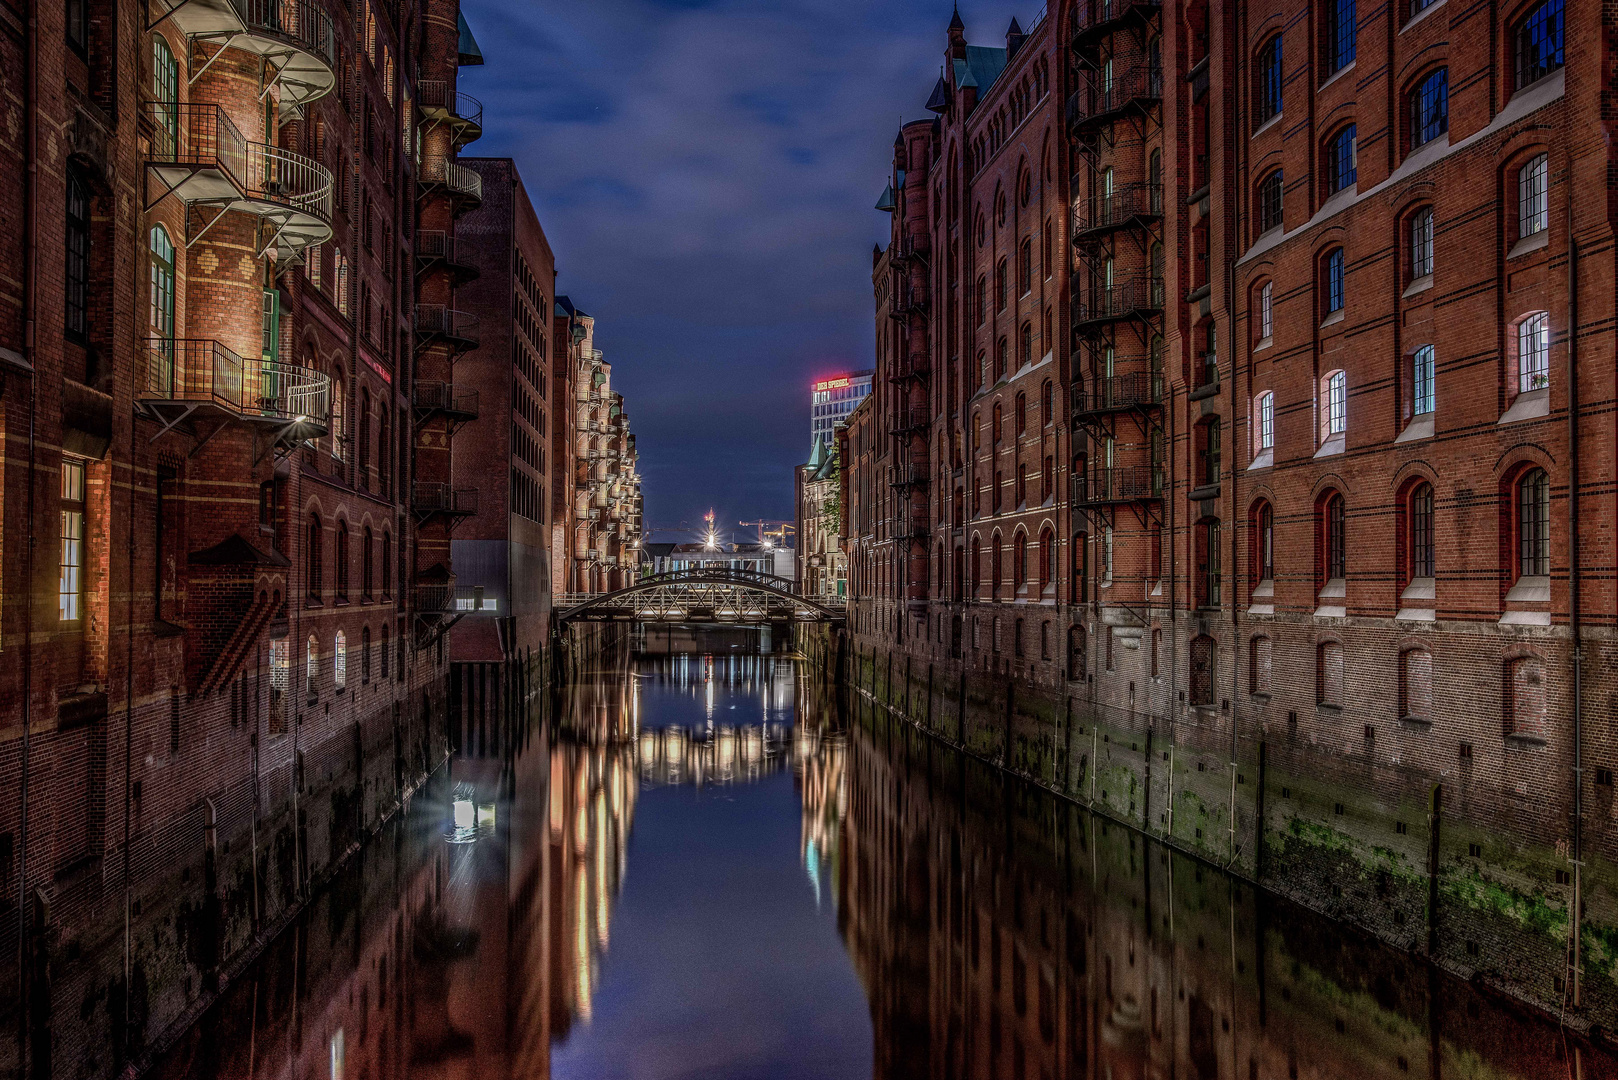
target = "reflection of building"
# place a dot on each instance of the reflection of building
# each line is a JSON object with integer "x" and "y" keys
{"x": 831, "y": 400}
{"x": 822, "y": 567}
{"x": 821, "y": 761}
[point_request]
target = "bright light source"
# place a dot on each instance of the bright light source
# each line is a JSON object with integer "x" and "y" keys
{"x": 464, "y": 814}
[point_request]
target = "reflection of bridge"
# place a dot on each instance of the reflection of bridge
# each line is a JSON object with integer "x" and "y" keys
{"x": 707, "y": 595}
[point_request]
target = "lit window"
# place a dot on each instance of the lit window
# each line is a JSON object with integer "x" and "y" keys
{"x": 310, "y": 650}
{"x": 1534, "y": 353}
{"x": 1423, "y": 381}
{"x": 1533, "y": 197}
{"x": 70, "y": 590}
{"x": 1534, "y": 525}
{"x": 339, "y": 661}
{"x": 1266, "y": 420}
{"x": 1421, "y": 242}
{"x": 1429, "y": 108}
{"x": 1335, "y": 406}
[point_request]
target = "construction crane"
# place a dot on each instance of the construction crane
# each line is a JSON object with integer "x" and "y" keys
{"x": 772, "y": 537}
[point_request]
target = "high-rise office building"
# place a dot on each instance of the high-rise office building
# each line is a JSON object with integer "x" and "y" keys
{"x": 831, "y": 402}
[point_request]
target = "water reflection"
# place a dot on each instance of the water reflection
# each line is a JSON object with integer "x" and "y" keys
{"x": 703, "y": 867}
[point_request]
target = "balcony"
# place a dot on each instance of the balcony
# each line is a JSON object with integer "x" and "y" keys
{"x": 198, "y": 156}
{"x": 442, "y": 500}
{"x": 1141, "y": 296}
{"x": 189, "y": 378}
{"x": 909, "y": 418}
{"x": 1117, "y": 393}
{"x": 1133, "y": 204}
{"x": 1098, "y": 101}
{"x": 915, "y": 248}
{"x": 1094, "y": 17}
{"x": 907, "y": 298}
{"x": 1121, "y": 484}
{"x": 437, "y": 324}
{"x": 438, "y": 399}
{"x": 462, "y": 113}
{"x": 437, "y": 248}
{"x": 294, "y": 37}
{"x": 909, "y": 476}
{"x": 464, "y": 186}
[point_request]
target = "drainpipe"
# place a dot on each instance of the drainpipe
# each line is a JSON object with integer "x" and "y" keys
{"x": 30, "y": 305}
{"x": 1576, "y": 921}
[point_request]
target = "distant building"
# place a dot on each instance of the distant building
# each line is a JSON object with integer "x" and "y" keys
{"x": 668, "y": 558}
{"x": 832, "y": 400}
{"x": 821, "y": 566}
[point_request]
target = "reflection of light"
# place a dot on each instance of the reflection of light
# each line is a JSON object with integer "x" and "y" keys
{"x": 811, "y": 858}
{"x": 486, "y": 816}
{"x": 337, "y": 1055}
{"x": 463, "y": 814}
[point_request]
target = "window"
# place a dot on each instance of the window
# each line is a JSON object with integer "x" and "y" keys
{"x": 1421, "y": 531}
{"x": 166, "y": 98}
{"x": 1334, "y": 405}
{"x": 310, "y": 650}
{"x": 1026, "y": 346}
{"x": 339, "y": 661}
{"x": 367, "y": 565}
{"x": 1025, "y": 268}
{"x": 1077, "y": 661}
{"x": 1208, "y": 450}
{"x": 1269, "y": 202}
{"x": 1001, "y": 348}
{"x": 1266, "y": 311}
{"x": 312, "y": 557}
{"x": 342, "y": 560}
{"x": 1419, "y": 6}
{"x": 280, "y": 683}
{"x": 77, "y": 259}
{"x": 1534, "y": 524}
{"x": 339, "y": 436}
{"x": 1421, "y": 243}
{"x": 1334, "y": 562}
{"x": 1331, "y": 282}
{"x": 1267, "y": 94}
{"x": 1341, "y": 161}
{"x": 1525, "y": 697}
{"x": 363, "y": 422}
{"x": 1264, "y": 420}
{"x": 1210, "y": 580}
{"x": 1533, "y": 196}
{"x": 1423, "y": 381}
{"x": 1000, "y": 286}
{"x": 70, "y": 580}
{"x": 1019, "y": 559}
{"x": 1329, "y": 674}
{"x": 1259, "y": 664}
{"x": 1047, "y": 411}
{"x": 983, "y": 300}
{"x": 1416, "y": 685}
{"x": 1021, "y": 413}
{"x": 1263, "y": 543}
{"x": 1534, "y": 353}
{"x": 1539, "y": 43}
{"x": 387, "y": 564}
{"x": 1047, "y": 560}
{"x": 1429, "y": 108}
{"x": 1337, "y": 36}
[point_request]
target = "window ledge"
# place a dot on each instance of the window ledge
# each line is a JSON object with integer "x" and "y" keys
{"x": 1526, "y": 742}
{"x": 1416, "y": 615}
{"x": 1265, "y": 459}
{"x": 1206, "y": 491}
{"x": 1525, "y": 618}
{"x": 1261, "y": 609}
{"x": 1331, "y": 611}
{"x": 1419, "y": 723}
{"x": 1422, "y": 588}
{"x": 1332, "y": 446}
{"x": 1530, "y": 244}
{"x": 1329, "y": 707}
{"x": 1422, "y": 427}
{"x": 1420, "y": 285}
{"x": 1264, "y": 590}
{"x": 1267, "y": 125}
{"x": 1530, "y": 590}
{"x": 1339, "y": 73}
{"x": 1335, "y": 589}
{"x": 1528, "y": 406}
{"x": 1333, "y": 319}
{"x": 1420, "y": 15}
{"x": 1263, "y": 343}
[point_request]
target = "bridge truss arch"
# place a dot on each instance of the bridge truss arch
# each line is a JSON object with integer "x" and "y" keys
{"x": 704, "y": 595}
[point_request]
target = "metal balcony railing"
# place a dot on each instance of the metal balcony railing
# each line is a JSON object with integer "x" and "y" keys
{"x": 447, "y": 398}
{"x": 1120, "y": 300}
{"x": 1097, "y": 99}
{"x": 436, "y": 320}
{"x": 204, "y": 372}
{"x": 1089, "y": 16}
{"x": 1132, "y": 202}
{"x": 428, "y": 498}
{"x": 435, "y": 96}
{"x": 910, "y": 417}
{"x": 435, "y": 245}
{"x": 1117, "y": 392}
{"x": 1123, "y": 483}
{"x": 457, "y": 178}
{"x": 910, "y": 476}
{"x": 201, "y": 155}
{"x": 297, "y": 35}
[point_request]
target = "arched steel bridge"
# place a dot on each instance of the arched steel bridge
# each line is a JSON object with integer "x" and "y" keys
{"x": 706, "y": 595}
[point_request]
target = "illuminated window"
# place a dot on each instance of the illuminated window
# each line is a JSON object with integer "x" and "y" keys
{"x": 339, "y": 661}
{"x": 1423, "y": 381}
{"x": 70, "y": 587}
{"x": 310, "y": 650}
{"x": 1266, "y": 420}
{"x": 1534, "y": 352}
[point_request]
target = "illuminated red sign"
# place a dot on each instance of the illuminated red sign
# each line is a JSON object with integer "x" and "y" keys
{"x": 833, "y": 384}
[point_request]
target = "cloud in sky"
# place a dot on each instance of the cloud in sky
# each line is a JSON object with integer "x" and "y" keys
{"x": 705, "y": 171}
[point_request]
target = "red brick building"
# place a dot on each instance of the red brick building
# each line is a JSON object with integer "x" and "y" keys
{"x": 1332, "y": 413}
{"x": 501, "y": 397}
{"x": 223, "y": 517}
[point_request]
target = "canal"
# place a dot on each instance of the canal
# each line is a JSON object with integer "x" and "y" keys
{"x": 711, "y": 866}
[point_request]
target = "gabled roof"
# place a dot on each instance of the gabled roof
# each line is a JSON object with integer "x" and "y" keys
{"x": 981, "y": 67}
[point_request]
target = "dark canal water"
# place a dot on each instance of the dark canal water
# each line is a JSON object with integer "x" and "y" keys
{"x": 708, "y": 867}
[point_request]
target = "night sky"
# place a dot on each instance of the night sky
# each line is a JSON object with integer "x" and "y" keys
{"x": 705, "y": 171}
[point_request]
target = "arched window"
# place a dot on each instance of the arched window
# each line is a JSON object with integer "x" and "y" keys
{"x": 1025, "y": 268}
{"x": 339, "y": 661}
{"x": 1421, "y": 243}
{"x": 314, "y": 542}
{"x": 982, "y": 299}
{"x": 1047, "y": 560}
{"x": 382, "y": 652}
{"x": 1416, "y": 685}
{"x": 1021, "y": 413}
{"x": 1333, "y": 557}
{"x": 1420, "y": 532}
{"x": 1534, "y": 524}
{"x": 1533, "y": 352}
{"x": 1001, "y": 351}
{"x": 367, "y": 565}
{"x": 1333, "y": 405}
{"x": 1533, "y": 196}
{"x": 1047, "y": 411}
{"x": 1027, "y": 347}
{"x": 387, "y": 564}
{"x": 996, "y": 567}
{"x": 311, "y": 649}
{"x": 1269, "y": 201}
{"x": 1538, "y": 43}
{"x": 363, "y": 422}
{"x": 1331, "y": 283}
{"x": 1525, "y": 697}
{"x": 977, "y": 566}
{"x": 1264, "y": 422}
{"x": 1019, "y": 559}
{"x": 339, "y": 435}
{"x": 1429, "y": 108}
{"x": 1341, "y": 161}
{"x": 1267, "y": 82}
{"x": 1263, "y": 542}
{"x": 1264, "y": 305}
{"x": 342, "y": 560}
{"x": 1337, "y": 36}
